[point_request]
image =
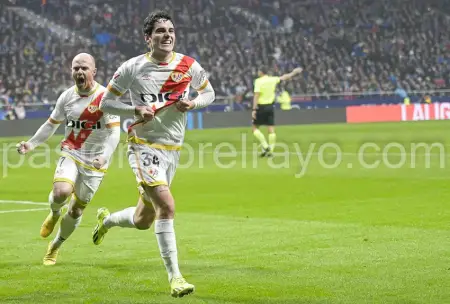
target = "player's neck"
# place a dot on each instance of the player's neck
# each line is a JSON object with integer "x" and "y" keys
{"x": 88, "y": 88}
{"x": 161, "y": 57}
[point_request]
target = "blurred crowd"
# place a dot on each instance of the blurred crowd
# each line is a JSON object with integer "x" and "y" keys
{"x": 358, "y": 46}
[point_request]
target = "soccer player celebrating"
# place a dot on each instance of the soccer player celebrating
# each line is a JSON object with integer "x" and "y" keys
{"x": 158, "y": 83}
{"x": 263, "y": 106}
{"x": 91, "y": 137}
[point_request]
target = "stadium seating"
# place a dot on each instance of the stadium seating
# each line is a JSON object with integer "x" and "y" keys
{"x": 345, "y": 46}
{"x": 35, "y": 62}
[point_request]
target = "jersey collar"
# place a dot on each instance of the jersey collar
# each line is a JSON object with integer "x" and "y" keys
{"x": 153, "y": 60}
{"x": 96, "y": 85}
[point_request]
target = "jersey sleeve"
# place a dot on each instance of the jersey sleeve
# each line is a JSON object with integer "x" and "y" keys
{"x": 121, "y": 80}
{"x": 257, "y": 86}
{"x": 199, "y": 78}
{"x": 276, "y": 79}
{"x": 58, "y": 114}
{"x": 111, "y": 120}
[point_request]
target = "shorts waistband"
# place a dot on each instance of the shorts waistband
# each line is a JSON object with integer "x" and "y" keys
{"x": 82, "y": 164}
{"x": 137, "y": 140}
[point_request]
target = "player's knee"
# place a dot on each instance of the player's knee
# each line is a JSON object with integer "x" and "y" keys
{"x": 167, "y": 210}
{"x": 163, "y": 201}
{"x": 75, "y": 211}
{"x": 61, "y": 192}
{"x": 142, "y": 223}
{"x": 76, "y": 208}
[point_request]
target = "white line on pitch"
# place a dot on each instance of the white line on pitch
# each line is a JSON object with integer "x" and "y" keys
{"x": 22, "y": 202}
{"x": 23, "y": 210}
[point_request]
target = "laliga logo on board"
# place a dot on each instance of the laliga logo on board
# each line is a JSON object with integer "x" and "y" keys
{"x": 418, "y": 111}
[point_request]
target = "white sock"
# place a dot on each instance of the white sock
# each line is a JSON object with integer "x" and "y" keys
{"x": 165, "y": 234}
{"x": 68, "y": 225}
{"x": 56, "y": 208}
{"x": 123, "y": 218}
{"x": 272, "y": 140}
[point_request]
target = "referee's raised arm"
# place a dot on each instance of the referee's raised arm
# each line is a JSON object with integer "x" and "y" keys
{"x": 290, "y": 75}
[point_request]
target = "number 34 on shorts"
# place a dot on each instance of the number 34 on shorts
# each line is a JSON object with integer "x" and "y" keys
{"x": 149, "y": 160}
{"x": 152, "y": 166}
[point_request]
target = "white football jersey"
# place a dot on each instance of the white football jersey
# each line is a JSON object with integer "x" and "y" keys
{"x": 87, "y": 128}
{"x": 159, "y": 85}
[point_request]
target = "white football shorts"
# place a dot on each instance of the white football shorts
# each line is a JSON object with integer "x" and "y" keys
{"x": 152, "y": 166}
{"x": 84, "y": 180}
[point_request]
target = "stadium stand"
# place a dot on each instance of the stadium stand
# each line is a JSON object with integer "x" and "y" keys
{"x": 345, "y": 46}
{"x": 35, "y": 61}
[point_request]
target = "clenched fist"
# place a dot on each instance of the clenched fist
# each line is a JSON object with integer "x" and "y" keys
{"x": 184, "y": 105}
{"x": 23, "y": 147}
{"x": 145, "y": 113}
{"x": 98, "y": 162}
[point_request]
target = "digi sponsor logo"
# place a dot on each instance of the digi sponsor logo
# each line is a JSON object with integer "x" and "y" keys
{"x": 84, "y": 124}
{"x": 162, "y": 97}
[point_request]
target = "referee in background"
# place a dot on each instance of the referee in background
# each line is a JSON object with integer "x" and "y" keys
{"x": 263, "y": 106}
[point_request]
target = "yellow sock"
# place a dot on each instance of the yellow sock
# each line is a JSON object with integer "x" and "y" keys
{"x": 272, "y": 140}
{"x": 261, "y": 138}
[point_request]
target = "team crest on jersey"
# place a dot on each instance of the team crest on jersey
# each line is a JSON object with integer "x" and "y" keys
{"x": 92, "y": 108}
{"x": 153, "y": 172}
{"x": 177, "y": 76}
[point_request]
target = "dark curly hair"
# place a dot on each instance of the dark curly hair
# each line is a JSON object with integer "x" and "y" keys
{"x": 149, "y": 22}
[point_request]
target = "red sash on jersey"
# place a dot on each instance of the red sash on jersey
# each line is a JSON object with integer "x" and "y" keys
{"x": 92, "y": 114}
{"x": 176, "y": 84}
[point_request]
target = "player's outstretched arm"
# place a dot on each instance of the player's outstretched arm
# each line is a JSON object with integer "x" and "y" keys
{"x": 46, "y": 130}
{"x": 290, "y": 75}
{"x": 42, "y": 135}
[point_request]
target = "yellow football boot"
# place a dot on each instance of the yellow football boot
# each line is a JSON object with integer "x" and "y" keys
{"x": 49, "y": 224}
{"x": 51, "y": 255}
{"x": 100, "y": 230}
{"x": 180, "y": 288}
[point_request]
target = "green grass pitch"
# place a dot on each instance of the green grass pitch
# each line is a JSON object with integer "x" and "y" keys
{"x": 345, "y": 227}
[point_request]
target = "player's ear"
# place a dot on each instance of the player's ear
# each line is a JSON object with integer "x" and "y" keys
{"x": 147, "y": 38}
{"x": 94, "y": 72}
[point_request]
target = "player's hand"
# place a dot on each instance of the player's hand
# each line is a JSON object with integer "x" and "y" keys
{"x": 253, "y": 114}
{"x": 184, "y": 105}
{"x": 298, "y": 70}
{"x": 145, "y": 113}
{"x": 23, "y": 147}
{"x": 98, "y": 162}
